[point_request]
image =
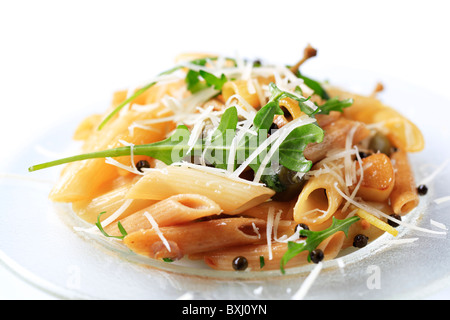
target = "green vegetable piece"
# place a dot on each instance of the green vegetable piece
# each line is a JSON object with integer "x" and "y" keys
{"x": 315, "y": 86}
{"x": 119, "y": 225}
{"x": 222, "y": 138}
{"x": 335, "y": 104}
{"x": 212, "y": 80}
{"x": 169, "y": 150}
{"x": 262, "y": 263}
{"x": 314, "y": 238}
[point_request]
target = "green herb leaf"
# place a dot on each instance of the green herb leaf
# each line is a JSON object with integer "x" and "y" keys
{"x": 120, "y": 226}
{"x": 212, "y": 80}
{"x": 314, "y": 85}
{"x": 123, "y": 104}
{"x": 193, "y": 82}
{"x": 335, "y": 104}
{"x": 261, "y": 262}
{"x": 222, "y": 138}
{"x": 169, "y": 150}
{"x": 291, "y": 149}
{"x": 277, "y": 95}
{"x": 314, "y": 238}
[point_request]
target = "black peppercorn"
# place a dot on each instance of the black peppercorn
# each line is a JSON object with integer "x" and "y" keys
{"x": 240, "y": 263}
{"x": 393, "y": 223}
{"x": 360, "y": 241}
{"x": 142, "y": 164}
{"x": 422, "y": 189}
{"x": 363, "y": 154}
{"x": 316, "y": 255}
{"x": 301, "y": 226}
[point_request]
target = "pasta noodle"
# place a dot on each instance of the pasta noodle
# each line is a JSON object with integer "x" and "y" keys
{"x": 195, "y": 237}
{"x": 232, "y": 196}
{"x": 318, "y": 200}
{"x": 177, "y": 209}
{"x": 404, "y": 195}
{"x": 241, "y": 165}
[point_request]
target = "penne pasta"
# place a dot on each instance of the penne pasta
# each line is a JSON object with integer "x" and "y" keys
{"x": 195, "y": 237}
{"x": 318, "y": 200}
{"x": 231, "y": 195}
{"x": 404, "y": 195}
{"x": 261, "y": 211}
{"x": 402, "y": 132}
{"x": 220, "y": 158}
{"x": 177, "y": 209}
{"x": 109, "y": 203}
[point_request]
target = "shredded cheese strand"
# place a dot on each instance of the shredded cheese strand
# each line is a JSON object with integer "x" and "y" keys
{"x": 157, "y": 230}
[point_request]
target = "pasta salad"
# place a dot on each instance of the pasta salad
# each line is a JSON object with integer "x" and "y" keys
{"x": 242, "y": 164}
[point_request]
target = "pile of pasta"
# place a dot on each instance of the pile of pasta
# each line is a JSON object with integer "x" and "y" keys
{"x": 202, "y": 213}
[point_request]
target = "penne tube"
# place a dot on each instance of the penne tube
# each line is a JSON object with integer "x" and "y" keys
{"x": 175, "y": 210}
{"x": 404, "y": 195}
{"x": 318, "y": 200}
{"x": 109, "y": 203}
{"x": 261, "y": 211}
{"x": 246, "y": 89}
{"x": 242, "y": 88}
{"x": 335, "y": 138}
{"x": 176, "y": 241}
{"x": 223, "y": 259}
{"x": 232, "y": 196}
{"x": 84, "y": 179}
{"x": 87, "y": 127}
{"x": 401, "y": 131}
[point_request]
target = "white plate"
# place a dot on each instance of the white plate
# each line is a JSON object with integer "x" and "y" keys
{"x": 38, "y": 241}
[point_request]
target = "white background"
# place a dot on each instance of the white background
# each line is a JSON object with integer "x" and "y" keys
{"x": 60, "y": 56}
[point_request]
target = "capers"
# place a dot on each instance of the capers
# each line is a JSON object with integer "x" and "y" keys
{"x": 291, "y": 182}
{"x": 380, "y": 143}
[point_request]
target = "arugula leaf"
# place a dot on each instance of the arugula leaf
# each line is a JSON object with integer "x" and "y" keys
{"x": 193, "y": 83}
{"x": 213, "y": 81}
{"x": 314, "y": 85}
{"x": 291, "y": 149}
{"x": 221, "y": 139}
{"x": 119, "y": 225}
{"x": 335, "y": 104}
{"x": 169, "y": 150}
{"x": 277, "y": 95}
{"x": 124, "y": 103}
{"x": 314, "y": 238}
